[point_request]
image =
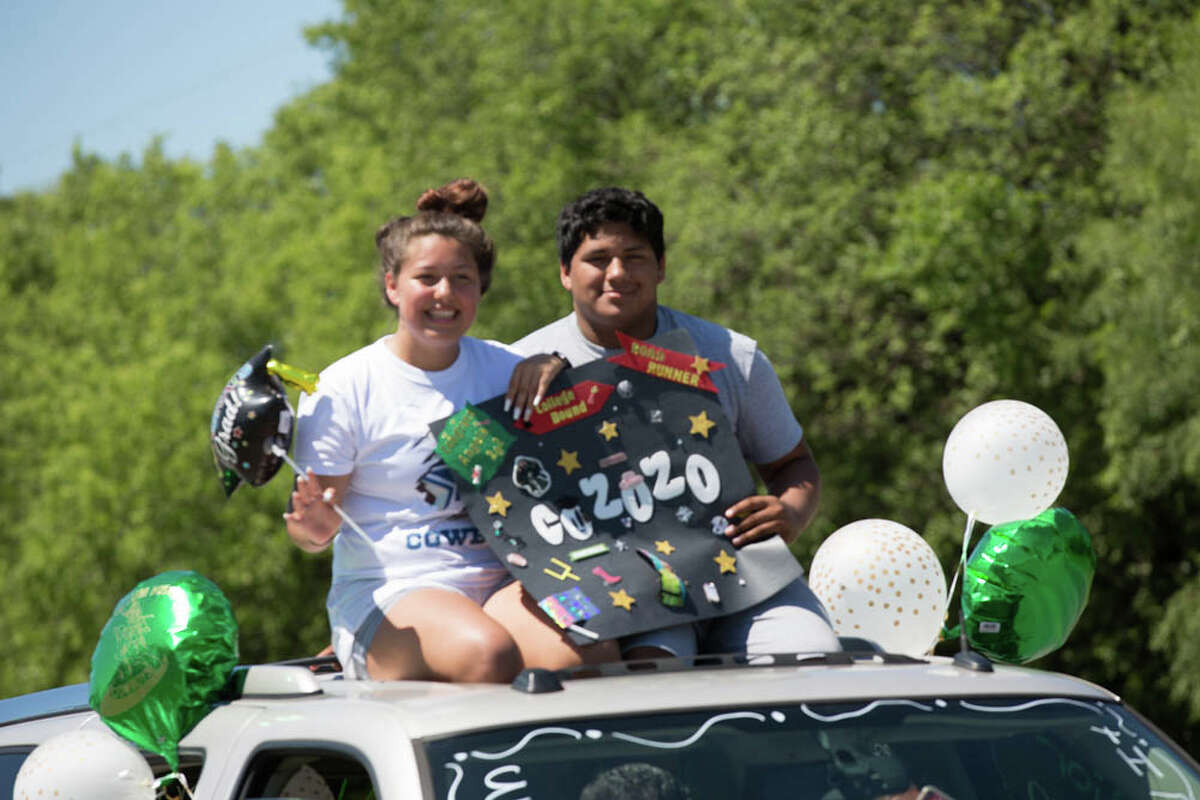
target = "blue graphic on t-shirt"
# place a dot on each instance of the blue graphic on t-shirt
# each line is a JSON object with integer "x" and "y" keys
{"x": 445, "y": 537}
{"x": 437, "y": 485}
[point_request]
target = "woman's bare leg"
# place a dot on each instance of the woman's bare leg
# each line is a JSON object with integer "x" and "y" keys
{"x": 540, "y": 641}
{"x": 433, "y": 634}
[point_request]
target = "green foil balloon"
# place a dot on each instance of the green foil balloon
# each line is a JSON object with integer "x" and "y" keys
{"x": 1026, "y": 585}
{"x": 163, "y": 657}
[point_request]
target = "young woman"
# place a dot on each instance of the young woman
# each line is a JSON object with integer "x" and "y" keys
{"x": 424, "y": 598}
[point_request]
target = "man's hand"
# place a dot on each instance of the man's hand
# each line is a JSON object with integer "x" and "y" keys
{"x": 759, "y": 517}
{"x": 530, "y": 381}
{"x": 795, "y": 486}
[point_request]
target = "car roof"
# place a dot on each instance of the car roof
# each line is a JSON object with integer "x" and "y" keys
{"x": 432, "y": 710}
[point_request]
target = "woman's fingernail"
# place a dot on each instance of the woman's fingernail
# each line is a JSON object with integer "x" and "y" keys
{"x": 327, "y": 496}
{"x": 528, "y": 413}
{"x": 507, "y": 404}
{"x": 537, "y": 401}
{"x": 516, "y": 413}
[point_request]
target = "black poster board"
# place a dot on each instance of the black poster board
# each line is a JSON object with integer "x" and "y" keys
{"x": 608, "y": 504}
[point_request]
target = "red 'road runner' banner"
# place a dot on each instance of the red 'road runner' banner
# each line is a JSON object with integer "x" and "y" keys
{"x": 667, "y": 364}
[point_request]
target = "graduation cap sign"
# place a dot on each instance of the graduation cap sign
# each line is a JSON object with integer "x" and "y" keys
{"x": 607, "y": 504}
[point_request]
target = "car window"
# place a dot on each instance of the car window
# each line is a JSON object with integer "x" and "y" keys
{"x": 982, "y": 749}
{"x": 10, "y": 765}
{"x": 307, "y": 774}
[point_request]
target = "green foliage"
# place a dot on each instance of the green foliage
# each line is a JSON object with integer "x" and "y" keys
{"x": 1145, "y": 259}
{"x": 915, "y": 208}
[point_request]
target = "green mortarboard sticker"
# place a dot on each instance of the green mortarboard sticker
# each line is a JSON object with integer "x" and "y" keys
{"x": 472, "y": 439}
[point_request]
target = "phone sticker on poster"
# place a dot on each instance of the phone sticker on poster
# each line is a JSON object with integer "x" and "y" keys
{"x": 607, "y": 504}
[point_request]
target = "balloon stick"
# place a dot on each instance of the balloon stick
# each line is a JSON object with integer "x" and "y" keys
{"x": 963, "y": 562}
{"x": 279, "y": 451}
{"x": 962, "y": 569}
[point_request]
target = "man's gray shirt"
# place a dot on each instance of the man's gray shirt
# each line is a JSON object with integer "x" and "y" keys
{"x": 748, "y": 388}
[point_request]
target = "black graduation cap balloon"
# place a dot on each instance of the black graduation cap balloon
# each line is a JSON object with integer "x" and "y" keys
{"x": 252, "y": 418}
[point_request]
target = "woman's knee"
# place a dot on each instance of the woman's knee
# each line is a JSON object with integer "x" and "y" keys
{"x": 486, "y": 655}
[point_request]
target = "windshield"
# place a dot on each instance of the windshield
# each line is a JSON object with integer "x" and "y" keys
{"x": 965, "y": 749}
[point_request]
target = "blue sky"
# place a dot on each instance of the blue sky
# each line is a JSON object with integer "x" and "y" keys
{"x": 111, "y": 74}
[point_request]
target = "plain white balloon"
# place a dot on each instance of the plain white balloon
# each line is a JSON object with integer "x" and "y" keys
{"x": 881, "y": 581}
{"x": 1004, "y": 461}
{"x": 85, "y": 764}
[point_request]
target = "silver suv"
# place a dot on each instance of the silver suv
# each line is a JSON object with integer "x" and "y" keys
{"x": 857, "y": 725}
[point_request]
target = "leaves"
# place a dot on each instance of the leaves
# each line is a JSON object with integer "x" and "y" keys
{"x": 914, "y": 208}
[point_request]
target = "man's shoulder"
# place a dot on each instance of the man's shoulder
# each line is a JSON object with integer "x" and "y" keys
{"x": 546, "y": 337}
{"x": 708, "y": 334}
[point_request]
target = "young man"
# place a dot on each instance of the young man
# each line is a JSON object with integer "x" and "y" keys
{"x": 611, "y": 260}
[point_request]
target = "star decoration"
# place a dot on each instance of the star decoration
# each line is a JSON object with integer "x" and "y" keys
{"x": 623, "y": 599}
{"x": 569, "y": 461}
{"x": 664, "y": 546}
{"x": 497, "y": 504}
{"x": 726, "y": 562}
{"x": 700, "y": 365}
{"x": 701, "y": 423}
{"x": 609, "y": 430}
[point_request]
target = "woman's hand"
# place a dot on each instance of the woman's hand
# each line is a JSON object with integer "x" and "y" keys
{"x": 311, "y": 520}
{"x": 530, "y": 381}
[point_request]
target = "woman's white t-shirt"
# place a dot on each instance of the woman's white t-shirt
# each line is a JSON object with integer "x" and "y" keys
{"x": 369, "y": 418}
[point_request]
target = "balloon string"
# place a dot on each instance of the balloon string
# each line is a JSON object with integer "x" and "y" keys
{"x": 962, "y": 569}
{"x": 279, "y": 451}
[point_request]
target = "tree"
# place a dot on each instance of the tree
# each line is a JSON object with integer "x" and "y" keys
{"x": 1144, "y": 260}
{"x": 914, "y": 208}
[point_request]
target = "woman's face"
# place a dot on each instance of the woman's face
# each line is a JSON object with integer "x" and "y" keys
{"x": 436, "y": 293}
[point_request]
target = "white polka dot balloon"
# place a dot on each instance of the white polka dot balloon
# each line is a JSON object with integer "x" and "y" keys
{"x": 84, "y": 764}
{"x": 1005, "y": 461}
{"x": 881, "y": 581}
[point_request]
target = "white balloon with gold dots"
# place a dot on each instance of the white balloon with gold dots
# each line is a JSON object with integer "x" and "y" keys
{"x": 1005, "y": 461}
{"x": 881, "y": 581}
{"x": 85, "y": 764}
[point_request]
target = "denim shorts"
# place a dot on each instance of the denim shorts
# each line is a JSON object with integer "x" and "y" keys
{"x": 792, "y": 620}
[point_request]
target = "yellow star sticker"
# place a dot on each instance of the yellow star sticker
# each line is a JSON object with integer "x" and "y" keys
{"x": 569, "y": 461}
{"x": 497, "y": 504}
{"x": 726, "y": 562}
{"x": 700, "y": 365}
{"x": 609, "y": 430}
{"x": 623, "y": 599}
{"x": 701, "y": 423}
{"x": 664, "y": 546}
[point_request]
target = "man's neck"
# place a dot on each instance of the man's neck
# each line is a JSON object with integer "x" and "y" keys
{"x": 606, "y": 336}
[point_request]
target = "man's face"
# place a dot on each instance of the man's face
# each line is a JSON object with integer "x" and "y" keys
{"x": 613, "y": 280}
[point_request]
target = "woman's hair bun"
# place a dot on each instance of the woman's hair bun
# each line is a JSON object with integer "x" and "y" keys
{"x": 463, "y": 197}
